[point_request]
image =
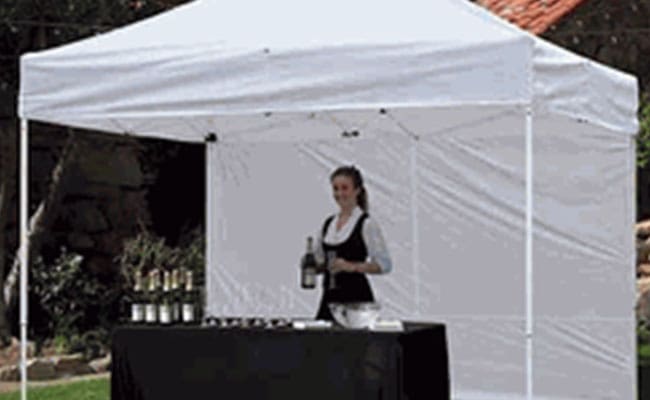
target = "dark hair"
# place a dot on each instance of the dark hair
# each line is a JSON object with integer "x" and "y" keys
{"x": 353, "y": 173}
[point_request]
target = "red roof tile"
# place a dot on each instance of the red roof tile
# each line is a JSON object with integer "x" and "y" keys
{"x": 535, "y": 16}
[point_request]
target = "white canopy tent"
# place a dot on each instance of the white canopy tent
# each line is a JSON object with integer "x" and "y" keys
{"x": 444, "y": 108}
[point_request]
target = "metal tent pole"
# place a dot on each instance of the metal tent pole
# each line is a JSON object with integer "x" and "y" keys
{"x": 24, "y": 253}
{"x": 415, "y": 230}
{"x": 210, "y": 233}
{"x": 529, "y": 253}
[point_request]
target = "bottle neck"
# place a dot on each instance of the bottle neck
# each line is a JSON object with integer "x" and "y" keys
{"x": 189, "y": 284}
{"x": 153, "y": 281}
{"x": 166, "y": 282}
{"x": 174, "y": 282}
{"x": 137, "y": 287}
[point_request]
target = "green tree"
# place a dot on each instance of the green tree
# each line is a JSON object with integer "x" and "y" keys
{"x": 643, "y": 140}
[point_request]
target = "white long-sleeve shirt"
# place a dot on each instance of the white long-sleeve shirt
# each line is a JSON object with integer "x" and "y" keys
{"x": 371, "y": 234}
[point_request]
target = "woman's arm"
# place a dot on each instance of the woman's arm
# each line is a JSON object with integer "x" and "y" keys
{"x": 379, "y": 261}
{"x": 366, "y": 267}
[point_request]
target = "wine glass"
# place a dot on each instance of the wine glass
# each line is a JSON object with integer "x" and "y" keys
{"x": 331, "y": 255}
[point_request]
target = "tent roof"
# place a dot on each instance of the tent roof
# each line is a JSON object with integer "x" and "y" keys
{"x": 178, "y": 74}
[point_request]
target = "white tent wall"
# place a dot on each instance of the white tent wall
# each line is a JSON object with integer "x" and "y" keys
{"x": 271, "y": 195}
{"x": 471, "y": 240}
{"x": 471, "y": 215}
{"x": 472, "y": 251}
{"x": 584, "y": 281}
{"x": 274, "y": 195}
{"x": 470, "y": 218}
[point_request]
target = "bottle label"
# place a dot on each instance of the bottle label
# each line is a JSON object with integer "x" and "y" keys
{"x": 188, "y": 313}
{"x": 150, "y": 313}
{"x": 165, "y": 314}
{"x": 137, "y": 313}
{"x": 309, "y": 279}
{"x": 176, "y": 312}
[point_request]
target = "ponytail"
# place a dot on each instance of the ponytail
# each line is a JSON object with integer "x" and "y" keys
{"x": 362, "y": 199}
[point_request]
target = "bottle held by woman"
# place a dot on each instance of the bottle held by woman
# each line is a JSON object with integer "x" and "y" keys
{"x": 308, "y": 267}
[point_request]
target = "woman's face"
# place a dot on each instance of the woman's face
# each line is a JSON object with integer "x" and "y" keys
{"x": 344, "y": 191}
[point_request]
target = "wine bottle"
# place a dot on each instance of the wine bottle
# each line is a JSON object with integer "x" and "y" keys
{"x": 164, "y": 305}
{"x": 308, "y": 267}
{"x": 190, "y": 300}
{"x": 138, "y": 300}
{"x": 176, "y": 294}
{"x": 151, "y": 308}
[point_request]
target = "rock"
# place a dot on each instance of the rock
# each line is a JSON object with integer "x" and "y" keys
{"x": 79, "y": 241}
{"x": 40, "y": 369}
{"x": 10, "y": 373}
{"x": 104, "y": 165}
{"x": 100, "y": 365}
{"x": 11, "y": 354}
{"x": 642, "y": 250}
{"x": 643, "y": 299}
{"x": 129, "y": 206}
{"x": 69, "y": 365}
{"x": 96, "y": 191}
{"x": 86, "y": 217}
{"x": 643, "y": 269}
{"x": 642, "y": 229}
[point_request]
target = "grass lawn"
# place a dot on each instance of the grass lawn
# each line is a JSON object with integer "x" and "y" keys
{"x": 95, "y": 389}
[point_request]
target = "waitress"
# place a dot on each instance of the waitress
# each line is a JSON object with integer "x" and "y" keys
{"x": 355, "y": 239}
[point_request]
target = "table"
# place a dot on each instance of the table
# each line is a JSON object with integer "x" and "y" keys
{"x": 157, "y": 363}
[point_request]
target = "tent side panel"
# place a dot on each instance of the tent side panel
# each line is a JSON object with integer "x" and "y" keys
{"x": 584, "y": 277}
{"x": 472, "y": 250}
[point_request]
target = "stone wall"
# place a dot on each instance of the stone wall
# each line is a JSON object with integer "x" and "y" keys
{"x": 104, "y": 198}
{"x": 115, "y": 186}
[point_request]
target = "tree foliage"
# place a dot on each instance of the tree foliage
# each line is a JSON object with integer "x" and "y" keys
{"x": 643, "y": 140}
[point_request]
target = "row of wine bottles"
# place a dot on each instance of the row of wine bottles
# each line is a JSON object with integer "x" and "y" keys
{"x": 168, "y": 298}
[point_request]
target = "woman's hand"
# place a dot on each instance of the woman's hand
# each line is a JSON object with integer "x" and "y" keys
{"x": 340, "y": 265}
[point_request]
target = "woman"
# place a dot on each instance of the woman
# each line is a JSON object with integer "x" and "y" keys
{"x": 357, "y": 241}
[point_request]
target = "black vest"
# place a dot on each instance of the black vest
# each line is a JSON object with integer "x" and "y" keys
{"x": 350, "y": 286}
{"x": 354, "y": 248}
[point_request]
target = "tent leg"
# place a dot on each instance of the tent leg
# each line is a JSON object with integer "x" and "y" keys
{"x": 210, "y": 236}
{"x": 415, "y": 250}
{"x": 529, "y": 253}
{"x": 24, "y": 253}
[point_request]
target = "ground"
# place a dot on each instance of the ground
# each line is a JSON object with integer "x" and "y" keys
{"x": 6, "y": 387}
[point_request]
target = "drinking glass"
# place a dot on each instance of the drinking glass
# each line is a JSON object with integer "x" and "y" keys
{"x": 331, "y": 255}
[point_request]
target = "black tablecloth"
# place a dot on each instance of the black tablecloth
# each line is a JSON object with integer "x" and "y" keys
{"x": 151, "y": 363}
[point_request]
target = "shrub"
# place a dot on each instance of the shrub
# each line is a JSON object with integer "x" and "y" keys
{"x": 71, "y": 302}
{"x": 643, "y": 138}
{"x": 191, "y": 254}
{"x": 643, "y": 343}
{"x": 78, "y": 310}
{"x": 61, "y": 289}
